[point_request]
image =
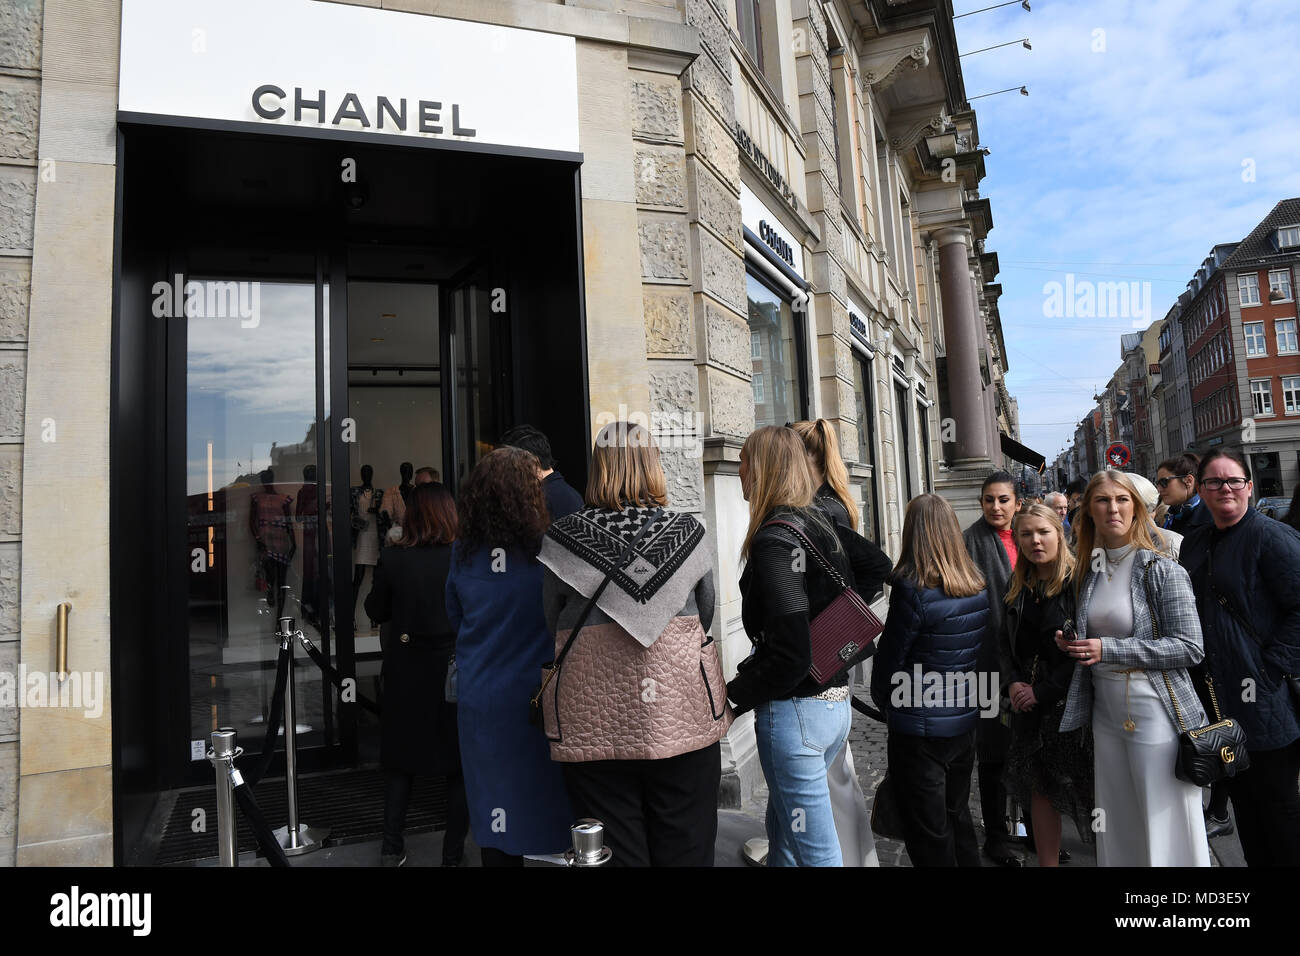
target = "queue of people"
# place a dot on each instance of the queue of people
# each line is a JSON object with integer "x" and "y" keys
{"x": 553, "y": 652}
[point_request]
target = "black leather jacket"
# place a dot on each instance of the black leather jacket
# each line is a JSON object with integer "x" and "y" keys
{"x": 779, "y": 602}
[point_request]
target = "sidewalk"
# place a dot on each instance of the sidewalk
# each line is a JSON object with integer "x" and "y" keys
{"x": 867, "y": 740}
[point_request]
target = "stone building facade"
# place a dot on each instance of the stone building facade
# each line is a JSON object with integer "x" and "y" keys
{"x": 779, "y": 216}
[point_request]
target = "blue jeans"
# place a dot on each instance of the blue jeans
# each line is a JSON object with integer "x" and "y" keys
{"x": 797, "y": 742}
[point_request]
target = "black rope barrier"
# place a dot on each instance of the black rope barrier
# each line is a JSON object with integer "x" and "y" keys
{"x": 266, "y": 840}
{"x": 862, "y": 707}
{"x": 331, "y": 674}
{"x": 254, "y": 775}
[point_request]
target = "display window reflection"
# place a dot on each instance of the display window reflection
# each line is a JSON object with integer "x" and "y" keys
{"x": 774, "y": 331}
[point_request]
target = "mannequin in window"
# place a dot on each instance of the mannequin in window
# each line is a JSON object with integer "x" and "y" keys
{"x": 395, "y": 499}
{"x": 366, "y": 503}
{"x": 270, "y": 522}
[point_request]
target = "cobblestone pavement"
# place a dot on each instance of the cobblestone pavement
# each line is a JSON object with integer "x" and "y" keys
{"x": 867, "y": 740}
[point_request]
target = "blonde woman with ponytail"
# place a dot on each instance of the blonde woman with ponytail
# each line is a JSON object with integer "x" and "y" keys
{"x": 828, "y": 470}
{"x": 852, "y": 821}
{"x": 800, "y": 725}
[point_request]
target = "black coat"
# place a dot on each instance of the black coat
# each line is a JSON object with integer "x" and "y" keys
{"x": 561, "y": 499}
{"x": 778, "y": 603}
{"x": 1256, "y": 636}
{"x": 1018, "y": 649}
{"x": 1188, "y": 519}
{"x": 407, "y": 599}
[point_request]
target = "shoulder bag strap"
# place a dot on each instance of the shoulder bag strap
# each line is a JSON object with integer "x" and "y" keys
{"x": 817, "y": 555}
{"x": 1155, "y": 630}
{"x": 618, "y": 566}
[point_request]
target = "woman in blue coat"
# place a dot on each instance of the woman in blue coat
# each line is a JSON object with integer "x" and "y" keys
{"x": 517, "y": 801}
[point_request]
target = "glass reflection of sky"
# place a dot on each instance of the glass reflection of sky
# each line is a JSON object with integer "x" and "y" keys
{"x": 247, "y": 388}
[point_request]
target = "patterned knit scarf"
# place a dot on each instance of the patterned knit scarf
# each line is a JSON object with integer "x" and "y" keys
{"x": 652, "y": 586}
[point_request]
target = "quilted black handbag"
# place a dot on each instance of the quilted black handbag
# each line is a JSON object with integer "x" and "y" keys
{"x": 1205, "y": 754}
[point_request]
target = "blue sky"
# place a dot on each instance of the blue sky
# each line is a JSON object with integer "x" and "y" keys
{"x": 1125, "y": 163}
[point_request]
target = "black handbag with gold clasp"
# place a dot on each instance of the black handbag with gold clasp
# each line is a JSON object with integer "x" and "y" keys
{"x": 1205, "y": 754}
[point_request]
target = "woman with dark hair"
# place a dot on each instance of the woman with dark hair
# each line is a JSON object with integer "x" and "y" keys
{"x": 640, "y": 753}
{"x": 418, "y": 727}
{"x": 1245, "y": 570}
{"x": 992, "y": 547}
{"x": 517, "y": 801}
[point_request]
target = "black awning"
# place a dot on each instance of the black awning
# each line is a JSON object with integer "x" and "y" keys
{"x": 1013, "y": 449}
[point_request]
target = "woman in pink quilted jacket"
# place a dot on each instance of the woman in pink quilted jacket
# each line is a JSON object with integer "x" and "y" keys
{"x": 638, "y": 706}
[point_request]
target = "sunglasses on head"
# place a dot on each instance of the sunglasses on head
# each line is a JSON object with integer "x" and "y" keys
{"x": 1164, "y": 482}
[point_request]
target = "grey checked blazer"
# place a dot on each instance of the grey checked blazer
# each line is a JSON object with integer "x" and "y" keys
{"x": 1178, "y": 648}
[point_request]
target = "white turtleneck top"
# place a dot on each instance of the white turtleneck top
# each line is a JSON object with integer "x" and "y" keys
{"x": 1110, "y": 610}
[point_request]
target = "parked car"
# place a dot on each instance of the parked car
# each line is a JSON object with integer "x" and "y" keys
{"x": 1274, "y": 507}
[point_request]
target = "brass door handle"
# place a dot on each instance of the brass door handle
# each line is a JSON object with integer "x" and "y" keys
{"x": 61, "y": 638}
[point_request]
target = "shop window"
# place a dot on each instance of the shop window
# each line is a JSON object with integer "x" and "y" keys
{"x": 902, "y": 446}
{"x": 778, "y": 382}
{"x": 864, "y": 399}
{"x": 923, "y": 422}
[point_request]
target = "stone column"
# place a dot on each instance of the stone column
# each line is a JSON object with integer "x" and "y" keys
{"x": 961, "y": 336}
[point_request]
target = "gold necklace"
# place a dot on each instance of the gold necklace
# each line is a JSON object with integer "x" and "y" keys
{"x": 1109, "y": 566}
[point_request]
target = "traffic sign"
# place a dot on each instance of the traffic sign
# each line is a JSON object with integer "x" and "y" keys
{"x": 1117, "y": 455}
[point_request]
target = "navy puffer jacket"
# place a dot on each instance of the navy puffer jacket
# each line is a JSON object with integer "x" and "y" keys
{"x": 939, "y": 637}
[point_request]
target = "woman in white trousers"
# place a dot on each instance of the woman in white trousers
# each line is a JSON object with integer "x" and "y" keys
{"x": 1132, "y": 683}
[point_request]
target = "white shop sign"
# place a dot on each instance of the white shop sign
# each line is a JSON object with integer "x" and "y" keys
{"x": 859, "y": 329}
{"x": 336, "y": 66}
{"x": 761, "y": 221}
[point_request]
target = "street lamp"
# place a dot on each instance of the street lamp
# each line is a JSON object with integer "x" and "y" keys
{"x": 1024, "y": 91}
{"x": 1024, "y": 42}
{"x": 1023, "y": 3}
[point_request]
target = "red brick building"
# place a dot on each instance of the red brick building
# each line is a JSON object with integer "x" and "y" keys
{"x": 1243, "y": 355}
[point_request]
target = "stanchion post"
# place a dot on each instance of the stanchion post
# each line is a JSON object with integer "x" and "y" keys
{"x": 589, "y": 848}
{"x": 296, "y": 838}
{"x": 222, "y": 757}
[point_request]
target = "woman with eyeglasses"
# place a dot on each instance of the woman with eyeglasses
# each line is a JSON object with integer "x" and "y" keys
{"x": 1245, "y": 570}
{"x": 1137, "y": 636}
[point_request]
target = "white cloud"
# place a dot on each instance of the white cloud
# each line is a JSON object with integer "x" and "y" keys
{"x": 1122, "y": 163}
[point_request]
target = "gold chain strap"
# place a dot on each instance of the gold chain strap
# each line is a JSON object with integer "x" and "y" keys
{"x": 1209, "y": 681}
{"x": 1173, "y": 698}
